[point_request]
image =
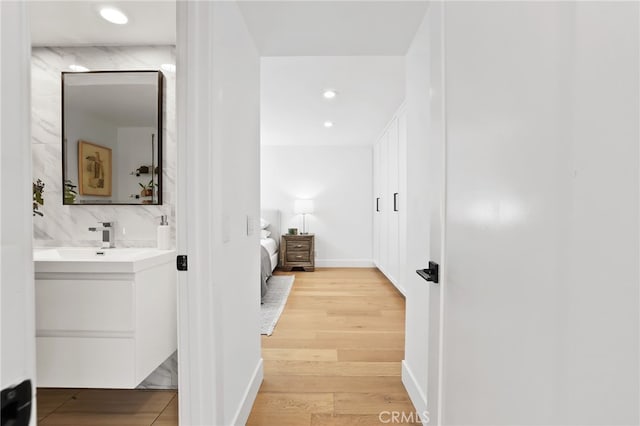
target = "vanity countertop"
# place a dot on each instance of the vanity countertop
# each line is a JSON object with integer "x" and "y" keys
{"x": 97, "y": 260}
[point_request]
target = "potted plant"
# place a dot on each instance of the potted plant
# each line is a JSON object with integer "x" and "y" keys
{"x": 38, "y": 200}
{"x": 142, "y": 170}
{"x": 69, "y": 192}
{"x": 147, "y": 190}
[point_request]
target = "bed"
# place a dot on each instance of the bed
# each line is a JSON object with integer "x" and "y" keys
{"x": 270, "y": 247}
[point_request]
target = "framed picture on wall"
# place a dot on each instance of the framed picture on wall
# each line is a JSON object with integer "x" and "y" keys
{"x": 94, "y": 169}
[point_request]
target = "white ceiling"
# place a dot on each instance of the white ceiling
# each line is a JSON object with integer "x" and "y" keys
{"x": 279, "y": 28}
{"x": 356, "y": 47}
{"x": 77, "y": 23}
{"x": 293, "y": 109}
{"x": 333, "y": 28}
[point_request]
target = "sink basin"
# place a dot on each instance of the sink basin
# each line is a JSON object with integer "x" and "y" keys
{"x": 92, "y": 259}
{"x": 84, "y": 253}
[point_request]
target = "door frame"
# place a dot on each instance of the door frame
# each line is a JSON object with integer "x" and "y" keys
{"x": 443, "y": 212}
{"x": 16, "y": 225}
{"x": 199, "y": 360}
{"x": 200, "y": 386}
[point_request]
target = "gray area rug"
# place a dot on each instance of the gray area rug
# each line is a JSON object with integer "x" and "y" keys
{"x": 274, "y": 301}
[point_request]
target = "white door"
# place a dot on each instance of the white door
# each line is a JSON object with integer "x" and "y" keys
{"x": 376, "y": 204}
{"x": 385, "y": 203}
{"x": 402, "y": 199}
{"x": 421, "y": 143}
{"x": 393, "y": 194}
{"x": 16, "y": 257}
{"x": 541, "y": 288}
{"x": 436, "y": 188}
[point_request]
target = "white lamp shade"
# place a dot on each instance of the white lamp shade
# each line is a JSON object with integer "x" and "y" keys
{"x": 303, "y": 206}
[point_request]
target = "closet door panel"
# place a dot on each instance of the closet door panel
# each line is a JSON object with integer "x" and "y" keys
{"x": 386, "y": 204}
{"x": 393, "y": 192}
{"x": 403, "y": 269}
{"x": 376, "y": 203}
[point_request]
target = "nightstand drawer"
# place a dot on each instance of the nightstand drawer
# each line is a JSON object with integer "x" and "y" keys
{"x": 298, "y": 256}
{"x": 300, "y": 245}
{"x": 298, "y": 251}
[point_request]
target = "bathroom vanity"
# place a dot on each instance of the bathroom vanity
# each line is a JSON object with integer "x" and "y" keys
{"x": 105, "y": 318}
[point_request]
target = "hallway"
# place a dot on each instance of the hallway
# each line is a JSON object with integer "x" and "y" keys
{"x": 334, "y": 358}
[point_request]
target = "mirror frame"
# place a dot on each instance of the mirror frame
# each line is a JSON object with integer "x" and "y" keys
{"x": 160, "y": 145}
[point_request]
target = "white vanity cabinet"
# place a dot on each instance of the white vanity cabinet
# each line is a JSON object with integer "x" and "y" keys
{"x": 103, "y": 322}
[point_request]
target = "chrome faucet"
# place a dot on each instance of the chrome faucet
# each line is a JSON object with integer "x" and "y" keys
{"x": 108, "y": 237}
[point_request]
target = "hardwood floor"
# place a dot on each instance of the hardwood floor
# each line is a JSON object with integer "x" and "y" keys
{"x": 334, "y": 357}
{"x": 107, "y": 407}
{"x": 333, "y": 360}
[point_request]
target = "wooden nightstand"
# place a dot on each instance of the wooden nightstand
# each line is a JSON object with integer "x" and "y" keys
{"x": 297, "y": 251}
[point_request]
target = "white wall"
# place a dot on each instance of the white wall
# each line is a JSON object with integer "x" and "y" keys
{"x": 219, "y": 297}
{"x": 67, "y": 225}
{"x": 130, "y": 155}
{"x": 17, "y": 343}
{"x": 339, "y": 180}
{"x": 237, "y": 124}
{"x": 541, "y": 286}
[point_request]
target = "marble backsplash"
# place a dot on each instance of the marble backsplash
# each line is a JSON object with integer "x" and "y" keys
{"x": 68, "y": 225}
{"x": 163, "y": 377}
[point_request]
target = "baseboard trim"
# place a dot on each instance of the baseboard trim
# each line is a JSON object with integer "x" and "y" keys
{"x": 416, "y": 395}
{"x": 242, "y": 415}
{"x": 344, "y": 263}
{"x": 393, "y": 280}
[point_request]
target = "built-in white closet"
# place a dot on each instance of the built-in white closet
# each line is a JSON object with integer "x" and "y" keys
{"x": 388, "y": 214}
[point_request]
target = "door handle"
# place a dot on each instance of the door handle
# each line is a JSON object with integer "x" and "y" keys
{"x": 431, "y": 274}
{"x": 395, "y": 201}
{"x": 378, "y": 204}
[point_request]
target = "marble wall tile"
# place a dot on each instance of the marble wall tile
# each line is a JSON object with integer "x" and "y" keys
{"x": 68, "y": 225}
{"x": 163, "y": 377}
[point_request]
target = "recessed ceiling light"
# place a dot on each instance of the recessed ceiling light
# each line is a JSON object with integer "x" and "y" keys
{"x": 168, "y": 67}
{"x": 328, "y": 124}
{"x": 114, "y": 15}
{"x": 329, "y": 94}
{"x": 78, "y": 68}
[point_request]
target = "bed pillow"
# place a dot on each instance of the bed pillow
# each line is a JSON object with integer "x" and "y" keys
{"x": 264, "y": 234}
{"x": 263, "y": 223}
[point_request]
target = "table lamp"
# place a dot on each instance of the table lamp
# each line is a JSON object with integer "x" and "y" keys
{"x": 303, "y": 207}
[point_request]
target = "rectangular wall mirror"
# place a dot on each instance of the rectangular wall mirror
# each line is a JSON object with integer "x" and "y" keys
{"x": 112, "y": 137}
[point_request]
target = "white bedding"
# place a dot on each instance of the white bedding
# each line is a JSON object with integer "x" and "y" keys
{"x": 274, "y": 261}
{"x": 272, "y": 244}
{"x": 269, "y": 244}
{"x": 272, "y": 248}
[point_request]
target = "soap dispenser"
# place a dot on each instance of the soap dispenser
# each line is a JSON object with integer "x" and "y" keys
{"x": 164, "y": 234}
